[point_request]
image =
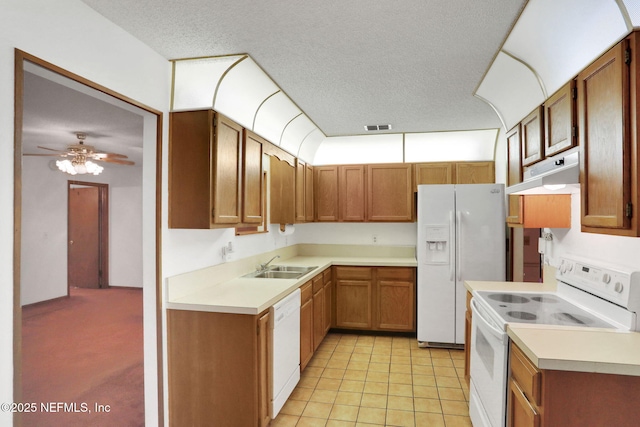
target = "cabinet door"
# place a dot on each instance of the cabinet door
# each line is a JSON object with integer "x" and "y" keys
{"x": 264, "y": 368}
{"x": 351, "y": 193}
{"x": 467, "y": 340}
{"x": 389, "y": 192}
{"x": 434, "y": 173}
{"x": 605, "y": 172}
{"x": 328, "y": 301}
{"x": 308, "y": 192}
{"x": 318, "y": 318}
{"x": 521, "y": 412}
{"x": 353, "y": 304}
{"x": 226, "y": 179}
{"x": 514, "y": 173}
{"x": 282, "y": 192}
{"x": 306, "y": 329}
{"x": 326, "y": 193}
{"x": 560, "y": 120}
{"x": 475, "y": 173}
{"x": 300, "y": 191}
{"x": 395, "y": 296}
{"x": 252, "y": 178}
{"x": 532, "y": 134}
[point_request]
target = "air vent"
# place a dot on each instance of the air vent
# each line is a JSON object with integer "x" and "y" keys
{"x": 372, "y": 128}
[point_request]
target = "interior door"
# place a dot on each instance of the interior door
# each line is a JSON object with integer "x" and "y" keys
{"x": 84, "y": 238}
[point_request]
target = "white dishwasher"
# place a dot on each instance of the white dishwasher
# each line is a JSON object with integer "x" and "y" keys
{"x": 285, "y": 351}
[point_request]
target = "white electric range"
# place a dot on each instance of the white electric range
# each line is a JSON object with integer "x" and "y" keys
{"x": 589, "y": 294}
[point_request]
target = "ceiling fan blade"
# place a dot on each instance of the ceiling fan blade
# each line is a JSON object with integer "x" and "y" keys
{"x": 101, "y": 155}
{"x": 117, "y": 161}
{"x": 49, "y": 155}
{"x": 52, "y": 149}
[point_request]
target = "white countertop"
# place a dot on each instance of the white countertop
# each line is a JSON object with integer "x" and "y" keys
{"x": 570, "y": 348}
{"x": 252, "y": 296}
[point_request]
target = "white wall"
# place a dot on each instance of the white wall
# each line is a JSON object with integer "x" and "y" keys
{"x": 612, "y": 249}
{"x": 70, "y": 35}
{"x": 344, "y": 233}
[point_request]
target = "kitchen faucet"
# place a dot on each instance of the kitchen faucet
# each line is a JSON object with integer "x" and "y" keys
{"x": 264, "y": 266}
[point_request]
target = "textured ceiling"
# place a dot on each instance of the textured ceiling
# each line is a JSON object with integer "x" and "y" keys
{"x": 411, "y": 63}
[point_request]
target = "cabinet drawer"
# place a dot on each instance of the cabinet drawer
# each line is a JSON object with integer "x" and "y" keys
{"x": 402, "y": 273}
{"x": 317, "y": 283}
{"x": 526, "y": 374}
{"x": 326, "y": 276}
{"x": 306, "y": 292}
{"x": 362, "y": 273}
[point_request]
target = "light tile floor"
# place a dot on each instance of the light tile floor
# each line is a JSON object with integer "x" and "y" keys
{"x": 360, "y": 380}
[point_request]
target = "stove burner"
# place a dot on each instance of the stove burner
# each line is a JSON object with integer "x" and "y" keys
{"x": 515, "y": 299}
{"x": 545, "y": 299}
{"x": 571, "y": 318}
{"x": 522, "y": 315}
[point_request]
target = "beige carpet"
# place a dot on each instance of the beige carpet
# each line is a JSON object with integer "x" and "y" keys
{"x": 83, "y": 351}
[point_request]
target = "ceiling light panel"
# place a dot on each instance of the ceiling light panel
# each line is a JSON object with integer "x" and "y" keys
{"x": 476, "y": 145}
{"x": 569, "y": 34}
{"x": 195, "y": 81}
{"x": 242, "y": 90}
{"x": 273, "y": 115}
{"x": 633, "y": 10}
{"x": 384, "y": 148}
{"x": 310, "y": 144}
{"x": 295, "y": 132}
{"x": 512, "y": 88}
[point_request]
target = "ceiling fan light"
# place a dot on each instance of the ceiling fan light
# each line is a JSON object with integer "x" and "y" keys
{"x": 66, "y": 166}
{"x": 78, "y": 167}
{"x": 92, "y": 168}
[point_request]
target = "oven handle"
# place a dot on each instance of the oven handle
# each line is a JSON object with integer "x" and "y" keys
{"x": 491, "y": 326}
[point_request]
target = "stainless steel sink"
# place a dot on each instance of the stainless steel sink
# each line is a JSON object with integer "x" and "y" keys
{"x": 281, "y": 272}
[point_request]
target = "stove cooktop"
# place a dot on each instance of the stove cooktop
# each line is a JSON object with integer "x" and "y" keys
{"x": 541, "y": 309}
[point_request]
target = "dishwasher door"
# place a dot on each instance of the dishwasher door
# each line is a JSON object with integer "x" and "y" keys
{"x": 285, "y": 321}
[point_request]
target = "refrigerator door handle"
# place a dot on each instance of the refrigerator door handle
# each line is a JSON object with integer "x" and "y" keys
{"x": 458, "y": 243}
{"x": 452, "y": 257}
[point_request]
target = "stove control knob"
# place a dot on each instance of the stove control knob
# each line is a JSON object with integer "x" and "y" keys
{"x": 618, "y": 287}
{"x": 606, "y": 278}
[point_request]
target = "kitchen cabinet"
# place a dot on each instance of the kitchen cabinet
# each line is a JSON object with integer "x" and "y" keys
{"x": 351, "y": 193}
{"x": 252, "y": 193}
{"x": 560, "y": 131}
{"x": 205, "y": 171}
{"x": 318, "y": 310}
{"x": 434, "y": 173}
{"x": 541, "y": 210}
{"x": 389, "y": 192}
{"x": 548, "y": 398}
{"x": 218, "y": 368}
{"x": 282, "y": 191}
{"x": 328, "y": 300}
{"x": 326, "y": 193}
{"x": 304, "y": 192}
{"x": 475, "y": 173}
{"x": 306, "y": 324}
{"x": 608, "y": 119}
{"x": 532, "y": 128}
{"x": 375, "y": 298}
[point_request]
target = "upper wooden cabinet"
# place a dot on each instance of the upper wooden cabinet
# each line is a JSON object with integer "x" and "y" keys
{"x": 389, "y": 192}
{"x": 308, "y": 193}
{"x": 304, "y": 192}
{"x": 560, "y": 120}
{"x": 532, "y": 131}
{"x": 282, "y": 192}
{"x": 252, "y": 194}
{"x": 540, "y": 211}
{"x": 205, "y": 171}
{"x": 475, "y": 173}
{"x": 434, "y": 173}
{"x": 453, "y": 173}
{"x": 607, "y": 107}
{"x": 326, "y": 193}
{"x": 351, "y": 193}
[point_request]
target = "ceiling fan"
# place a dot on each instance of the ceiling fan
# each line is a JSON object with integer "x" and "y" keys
{"x": 78, "y": 157}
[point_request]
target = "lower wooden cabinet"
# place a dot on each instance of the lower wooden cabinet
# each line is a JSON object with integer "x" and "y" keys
{"x": 375, "y": 298}
{"x": 315, "y": 314}
{"x": 218, "y": 368}
{"x": 306, "y": 324}
{"x": 549, "y": 398}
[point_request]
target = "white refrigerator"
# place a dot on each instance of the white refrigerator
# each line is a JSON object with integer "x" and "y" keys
{"x": 461, "y": 236}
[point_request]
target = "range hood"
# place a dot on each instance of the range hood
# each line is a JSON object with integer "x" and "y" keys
{"x": 559, "y": 174}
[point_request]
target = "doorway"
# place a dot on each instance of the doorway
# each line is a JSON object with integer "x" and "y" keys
{"x": 148, "y": 214}
{"x": 88, "y": 235}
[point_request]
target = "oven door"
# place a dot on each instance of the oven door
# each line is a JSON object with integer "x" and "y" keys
{"x": 489, "y": 351}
